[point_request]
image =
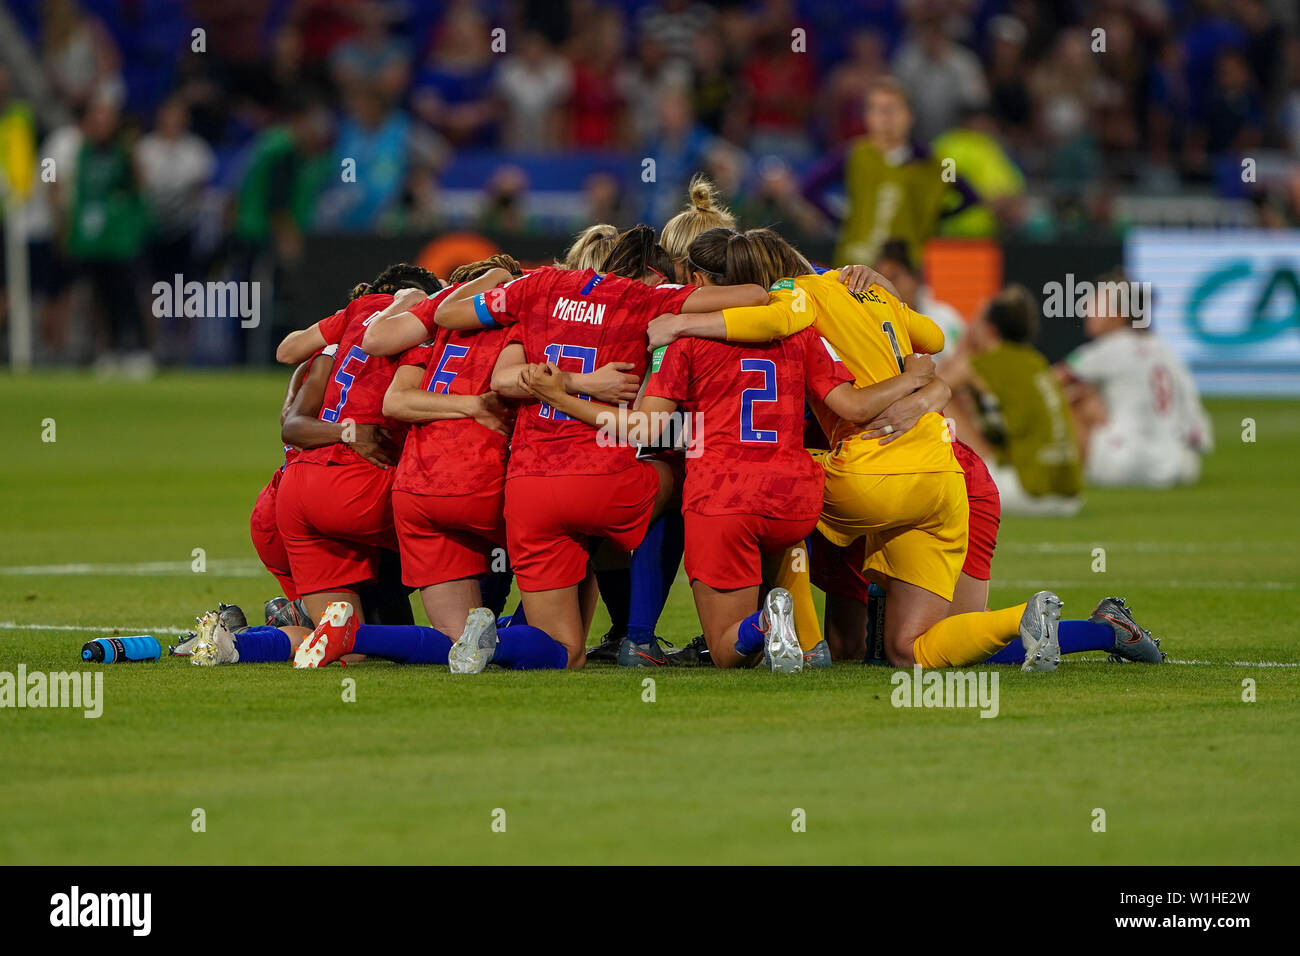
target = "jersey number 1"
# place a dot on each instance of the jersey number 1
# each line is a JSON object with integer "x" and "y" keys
{"x": 888, "y": 328}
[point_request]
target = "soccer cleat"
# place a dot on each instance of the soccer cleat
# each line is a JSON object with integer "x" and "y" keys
{"x": 649, "y": 654}
{"x": 185, "y": 647}
{"x": 333, "y": 637}
{"x": 213, "y": 643}
{"x": 477, "y": 644}
{"x": 1132, "y": 641}
{"x": 1038, "y": 632}
{"x": 819, "y": 656}
{"x": 696, "y": 652}
{"x": 281, "y": 612}
{"x": 607, "y": 649}
{"x": 781, "y": 650}
{"x": 232, "y": 616}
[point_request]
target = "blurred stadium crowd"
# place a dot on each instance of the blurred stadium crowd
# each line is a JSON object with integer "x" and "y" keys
{"x": 215, "y": 153}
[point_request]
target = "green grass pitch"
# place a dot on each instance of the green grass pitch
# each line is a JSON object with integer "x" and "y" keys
{"x": 99, "y": 528}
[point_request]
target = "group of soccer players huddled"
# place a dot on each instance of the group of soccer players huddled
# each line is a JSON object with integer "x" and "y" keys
{"x": 704, "y": 396}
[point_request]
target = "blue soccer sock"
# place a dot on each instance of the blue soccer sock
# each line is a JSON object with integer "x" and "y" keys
{"x": 405, "y": 644}
{"x": 518, "y": 617}
{"x": 1079, "y": 636}
{"x": 522, "y": 647}
{"x": 1076, "y": 637}
{"x": 615, "y": 589}
{"x": 749, "y": 636}
{"x": 1012, "y": 653}
{"x": 262, "y": 644}
{"x": 654, "y": 566}
{"x": 495, "y": 586}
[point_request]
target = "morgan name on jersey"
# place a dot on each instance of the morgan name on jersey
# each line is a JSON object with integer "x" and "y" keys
{"x": 577, "y": 310}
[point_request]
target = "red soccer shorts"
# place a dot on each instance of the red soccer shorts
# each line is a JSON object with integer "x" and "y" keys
{"x": 985, "y": 512}
{"x": 266, "y": 537}
{"x": 839, "y": 570}
{"x": 550, "y": 519}
{"x": 334, "y": 519}
{"x": 448, "y": 537}
{"x": 726, "y": 551}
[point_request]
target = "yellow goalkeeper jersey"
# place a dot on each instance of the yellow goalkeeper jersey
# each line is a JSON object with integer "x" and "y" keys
{"x": 872, "y": 332}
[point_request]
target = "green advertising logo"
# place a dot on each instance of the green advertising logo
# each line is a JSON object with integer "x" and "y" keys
{"x": 1263, "y": 322}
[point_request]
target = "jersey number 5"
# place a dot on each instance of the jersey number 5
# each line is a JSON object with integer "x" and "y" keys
{"x": 764, "y": 393}
{"x": 344, "y": 378}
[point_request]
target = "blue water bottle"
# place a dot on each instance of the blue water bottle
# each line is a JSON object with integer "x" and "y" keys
{"x": 116, "y": 650}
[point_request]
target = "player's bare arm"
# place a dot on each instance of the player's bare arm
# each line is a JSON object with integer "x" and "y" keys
{"x": 701, "y": 315}
{"x": 300, "y": 345}
{"x": 396, "y": 328}
{"x": 864, "y": 404}
{"x": 640, "y": 426}
{"x": 612, "y": 382}
{"x": 295, "y": 383}
{"x": 407, "y": 401}
{"x": 457, "y": 311}
{"x": 301, "y": 425}
{"x": 668, "y": 328}
{"x": 715, "y": 298}
{"x": 903, "y": 414}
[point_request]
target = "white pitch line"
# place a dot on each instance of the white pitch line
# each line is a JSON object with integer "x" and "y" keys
{"x": 1101, "y": 660}
{"x": 1148, "y": 547}
{"x": 233, "y": 568}
{"x": 1137, "y": 584}
{"x": 12, "y": 626}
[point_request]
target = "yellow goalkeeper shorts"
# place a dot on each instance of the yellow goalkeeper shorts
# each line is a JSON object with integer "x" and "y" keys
{"x": 915, "y": 525}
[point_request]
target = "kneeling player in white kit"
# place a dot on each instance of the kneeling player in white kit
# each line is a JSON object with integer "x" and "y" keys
{"x": 1137, "y": 413}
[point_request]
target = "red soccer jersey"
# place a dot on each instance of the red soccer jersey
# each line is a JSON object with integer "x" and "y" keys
{"x": 454, "y": 456}
{"x": 356, "y": 388}
{"x": 579, "y": 321}
{"x": 747, "y": 402}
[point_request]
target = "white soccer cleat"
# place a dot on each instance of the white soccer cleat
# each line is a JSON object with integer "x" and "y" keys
{"x": 781, "y": 650}
{"x": 478, "y": 642}
{"x": 213, "y": 643}
{"x": 1038, "y": 632}
{"x": 185, "y": 646}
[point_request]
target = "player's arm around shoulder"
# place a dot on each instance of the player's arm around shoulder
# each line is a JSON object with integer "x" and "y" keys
{"x": 789, "y": 309}
{"x": 702, "y": 314}
{"x": 855, "y": 404}
{"x": 396, "y": 328}
{"x": 297, "y": 347}
{"x": 476, "y": 304}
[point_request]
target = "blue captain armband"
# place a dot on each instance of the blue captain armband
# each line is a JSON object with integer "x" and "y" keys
{"x": 481, "y": 310}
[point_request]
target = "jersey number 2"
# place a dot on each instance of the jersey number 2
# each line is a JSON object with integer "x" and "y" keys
{"x": 764, "y": 393}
